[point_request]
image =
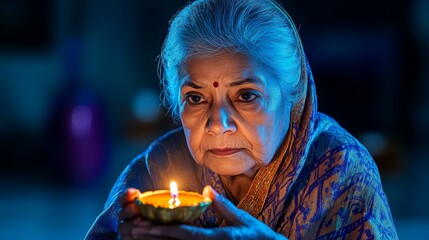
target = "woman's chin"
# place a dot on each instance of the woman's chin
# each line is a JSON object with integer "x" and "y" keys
{"x": 227, "y": 170}
{"x": 237, "y": 164}
{"x": 231, "y": 169}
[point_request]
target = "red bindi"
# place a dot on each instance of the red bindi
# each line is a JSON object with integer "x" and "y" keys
{"x": 215, "y": 84}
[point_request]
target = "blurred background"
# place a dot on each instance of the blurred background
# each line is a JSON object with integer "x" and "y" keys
{"x": 79, "y": 99}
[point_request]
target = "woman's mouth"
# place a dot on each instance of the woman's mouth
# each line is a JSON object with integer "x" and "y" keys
{"x": 224, "y": 151}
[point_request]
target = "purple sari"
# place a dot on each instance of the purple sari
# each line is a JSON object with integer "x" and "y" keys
{"x": 321, "y": 184}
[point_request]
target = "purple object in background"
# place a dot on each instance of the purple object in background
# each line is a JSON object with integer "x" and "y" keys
{"x": 78, "y": 126}
{"x": 84, "y": 150}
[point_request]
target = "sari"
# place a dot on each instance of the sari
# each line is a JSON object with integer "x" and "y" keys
{"x": 321, "y": 184}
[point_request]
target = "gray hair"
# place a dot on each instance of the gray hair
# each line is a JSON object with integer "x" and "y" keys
{"x": 258, "y": 29}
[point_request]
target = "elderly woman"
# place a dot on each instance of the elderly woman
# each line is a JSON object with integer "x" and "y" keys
{"x": 235, "y": 74}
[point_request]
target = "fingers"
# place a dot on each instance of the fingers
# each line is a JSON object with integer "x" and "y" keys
{"x": 129, "y": 208}
{"x": 125, "y": 227}
{"x": 129, "y": 213}
{"x": 232, "y": 214}
{"x": 180, "y": 231}
{"x": 183, "y": 231}
{"x": 236, "y": 217}
{"x": 128, "y": 196}
{"x": 209, "y": 192}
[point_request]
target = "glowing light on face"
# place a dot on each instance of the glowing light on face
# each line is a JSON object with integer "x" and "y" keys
{"x": 236, "y": 128}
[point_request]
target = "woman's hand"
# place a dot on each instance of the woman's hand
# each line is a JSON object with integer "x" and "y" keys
{"x": 128, "y": 216}
{"x": 241, "y": 225}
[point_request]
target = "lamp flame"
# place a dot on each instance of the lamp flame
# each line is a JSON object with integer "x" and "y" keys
{"x": 173, "y": 189}
{"x": 174, "y": 200}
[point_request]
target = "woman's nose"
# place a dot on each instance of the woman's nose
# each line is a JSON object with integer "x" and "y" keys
{"x": 220, "y": 121}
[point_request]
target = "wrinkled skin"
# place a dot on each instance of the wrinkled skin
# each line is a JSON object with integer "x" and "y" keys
{"x": 234, "y": 118}
{"x": 233, "y": 113}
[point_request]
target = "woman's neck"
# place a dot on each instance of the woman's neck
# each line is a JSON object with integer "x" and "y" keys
{"x": 237, "y": 186}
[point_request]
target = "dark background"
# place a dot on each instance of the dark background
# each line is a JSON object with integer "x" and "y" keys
{"x": 79, "y": 99}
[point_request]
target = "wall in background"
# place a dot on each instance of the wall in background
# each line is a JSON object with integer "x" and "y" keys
{"x": 97, "y": 60}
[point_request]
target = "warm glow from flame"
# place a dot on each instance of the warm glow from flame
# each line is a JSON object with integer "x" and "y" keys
{"x": 173, "y": 189}
{"x": 174, "y": 200}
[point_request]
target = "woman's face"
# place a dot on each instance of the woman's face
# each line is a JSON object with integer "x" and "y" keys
{"x": 233, "y": 114}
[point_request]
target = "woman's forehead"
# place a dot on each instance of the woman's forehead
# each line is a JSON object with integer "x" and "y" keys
{"x": 225, "y": 67}
{"x": 229, "y": 61}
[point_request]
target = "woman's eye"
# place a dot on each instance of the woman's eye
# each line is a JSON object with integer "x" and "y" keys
{"x": 194, "y": 98}
{"x": 247, "y": 97}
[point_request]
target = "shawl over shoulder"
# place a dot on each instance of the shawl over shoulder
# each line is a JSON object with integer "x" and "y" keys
{"x": 321, "y": 184}
{"x": 334, "y": 192}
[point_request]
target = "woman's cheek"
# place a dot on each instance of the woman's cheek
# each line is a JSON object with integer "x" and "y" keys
{"x": 192, "y": 116}
{"x": 255, "y": 115}
{"x": 193, "y": 141}
{"x": 251, "y": 112}
{"x": 194, "y": 133}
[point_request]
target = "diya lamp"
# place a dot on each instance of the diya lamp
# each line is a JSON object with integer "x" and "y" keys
{"x": 172, "y": 206}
